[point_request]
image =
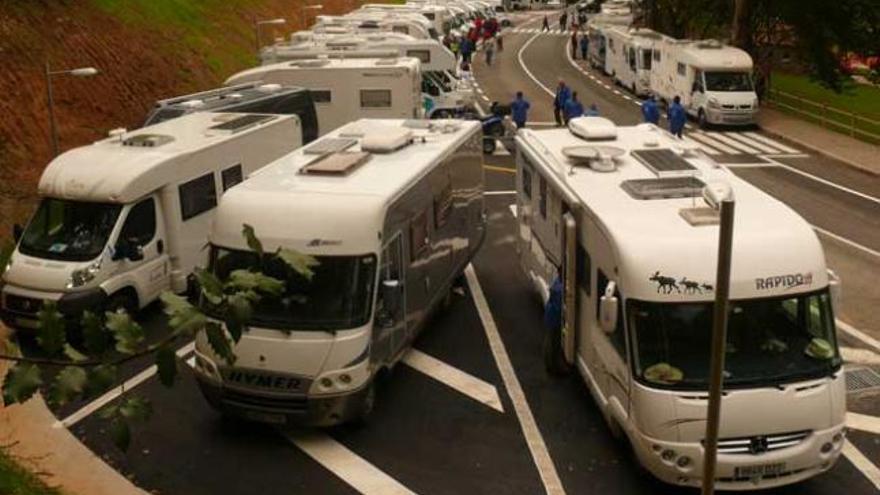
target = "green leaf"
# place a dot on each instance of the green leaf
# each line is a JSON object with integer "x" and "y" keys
{"x": 109, "y": 412}
{"x": 129, "y": 334}
{"x": 166, "y": 365}
{"x": 5, "y": 255}
{"x": 136, "y": 408}
{"x": 101, "y": 378}
{"x": 302, "y": 264}
{"x": 21, "y": 382}
{"x": 73, "y": 354}
{"x": 121, "y": 434}
{"x": 96, "y": 338}
{"x": 69, "y": 384}
{"x": 50, "y": 329}
{"x": 243, "y": 280}
{"x": 211, "y": 286}
{"x": 251, "y": 237}
{"x": 219, "y": 342}
{"x": 183, "y": 316}
{"x": 238, "y": 314}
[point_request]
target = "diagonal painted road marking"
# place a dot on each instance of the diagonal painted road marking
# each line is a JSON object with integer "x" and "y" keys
{"x": 703, "y": 138}
{"x": 861, "y": 463}
{"x": 469, "y": 385}
{"x": 705, "y": 147}
{"x": 754, "y": 143}
{"x": 732, "y": 142}
{"x": 771, "y": 142}
{"x": 863, "y": 422}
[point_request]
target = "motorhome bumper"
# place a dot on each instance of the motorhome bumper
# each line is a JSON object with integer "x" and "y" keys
{"x": 731, "y": 117}
{"x": 746, "y": 471}
{"x": 293, "y": 409}
{"x": 20, "y": 310}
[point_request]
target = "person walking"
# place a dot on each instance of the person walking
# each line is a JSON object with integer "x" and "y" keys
{"x": 585, "y": 45}
{"x": 650, "y": 111}
{"x": 546, "y": 26}
{"x": 489, "y": 48}
{"x": 559, "y": 100}
{"x": 573, "y": 108}
{"x": 519, "y": 110}
{"x": 593, "y": 111}
{"x": 467, "y": 48}
{"x": 499, "y": 41}
{"x": 574, "y": 43}
{"x": 677, "y": 117}
{"x": 563, "y": 21}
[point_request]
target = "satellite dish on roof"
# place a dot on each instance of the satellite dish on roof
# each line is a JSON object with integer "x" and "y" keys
{"x": 598, "y": 158}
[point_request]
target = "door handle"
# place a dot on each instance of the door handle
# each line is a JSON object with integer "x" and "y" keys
{"x": 160, "y": 246}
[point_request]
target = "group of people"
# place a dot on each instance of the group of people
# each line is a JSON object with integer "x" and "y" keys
{"x": 486, "y": 32}
{"x": 676, "y": 114}
{"x": 578, "y": 19}
{"x": 567, "y": 106}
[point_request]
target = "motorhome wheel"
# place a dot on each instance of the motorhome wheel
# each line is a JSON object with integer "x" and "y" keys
{"x": 121, "y": 300}
{"x": 489, "y": 145}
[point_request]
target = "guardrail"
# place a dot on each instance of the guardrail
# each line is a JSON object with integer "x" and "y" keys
{"x": 851, "y": 123}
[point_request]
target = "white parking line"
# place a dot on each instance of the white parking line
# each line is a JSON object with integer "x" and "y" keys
{"x": 863, "y": 422}
{"x": 345, "y": 464}
{"x": 848, "y": 242}
{"x": 858, "y": 334}
{"x": 862, "y": 463}
{"x": 859, "y": 356}
{"x": 828, "y": 183}
{"x": 754, "y": 143}
{"x": 731, "y": 142}
{"x": 771, "y": 142}
{"x": 512, "y": 209}
{"x": 534, "y": 440}
{"x": 471, "y": 386}
{"x": 525, "y": 69}
{"x": 499, "y": 193}
{"x": 113, "y": 394}
{"x": 708, "y": 149}
{"x": 707, "y": 140}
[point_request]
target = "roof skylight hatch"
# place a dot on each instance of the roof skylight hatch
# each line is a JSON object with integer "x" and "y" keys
{"x": 336, "y": 164}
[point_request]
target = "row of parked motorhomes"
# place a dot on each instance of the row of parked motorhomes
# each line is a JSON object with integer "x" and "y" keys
{"x": 391, "y": 207}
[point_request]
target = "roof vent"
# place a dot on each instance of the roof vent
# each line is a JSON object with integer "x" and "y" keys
{"x": 591, "y": 128}
{"x": 336, "y": 164}
{"x": 329, "y": 145}
{"x": 241, "y": 123}
{"x": 664, "y": 188}
{"x": 664, "y": 162}
{"x": 147, "y": 140}
{"x": 700, "y": 216}
{"x": 386, "y": 140}
{"x": 709, "y": 44}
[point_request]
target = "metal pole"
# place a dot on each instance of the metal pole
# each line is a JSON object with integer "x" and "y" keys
{"x": 53, "y": 130}
{"x": 719, "y": 340}
{"x": 257, "y": 35}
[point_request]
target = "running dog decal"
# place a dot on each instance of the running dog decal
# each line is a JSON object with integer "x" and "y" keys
{"x": 666, "y": 285}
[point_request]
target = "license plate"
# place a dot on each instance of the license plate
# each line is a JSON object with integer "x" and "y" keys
{"x": 759, "y": 470}
{"x": 275, "y": 419}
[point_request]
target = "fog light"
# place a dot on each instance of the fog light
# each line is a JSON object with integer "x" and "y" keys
{"x": 668, "y": 455}
{"x": 656, "y": 448}
{"x": 837, "y": 438}
{"x": 683, "y": 461}
{"x": 345, "y": 378}
{"x": 826, "y": 447}
{"x": 326, "y": 382}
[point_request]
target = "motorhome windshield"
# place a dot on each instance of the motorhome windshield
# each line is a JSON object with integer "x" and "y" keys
{"x": 770, "y": 342}
{"x": 729, "y": 81}
{"x": 69, "y": 230}
{"x": 338, "y": 297}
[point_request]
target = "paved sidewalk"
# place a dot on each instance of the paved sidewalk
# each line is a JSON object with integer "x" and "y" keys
{"x": 65, "y": 462}
{"x": 855, "y": 153}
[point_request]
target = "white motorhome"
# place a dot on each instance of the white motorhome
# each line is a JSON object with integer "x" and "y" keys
{"x": 372, "y": 21}
{"x": 444, "y": 94}
{"x": 617, "y": 214}
{"x": 393, "y": 212}
{"x": 713, "y": 80}
{"x": 346, "y": 89}
{"x": 598, "y": 47}
{"x": 126, "y": 218}
{"x": 629, "y": 57}
{"x": 437, "y": 15}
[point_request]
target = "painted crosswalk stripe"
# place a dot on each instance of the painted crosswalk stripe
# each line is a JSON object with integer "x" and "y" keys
{"x": 862, "y": 463}
{"x": 713, "y": 143}
{"x": 708, "y": 149}
{"x": 771, "y": 142}
{"x": 348, "y": 466}
{"x": 863, "y": 422}
{"x": 734, "y": 143}
{"x": 751, "y": 142}
{"x": 471, "y": 386}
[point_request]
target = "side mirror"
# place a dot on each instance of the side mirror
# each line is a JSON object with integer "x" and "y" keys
{"x": 608, "y": 309}
{"x": 126, "y": 250}
{"x": 391, "y": 296}
{"x": 17, "y": 232}
{"x": 136, "y": 253}
{"x": 835, "y": 288}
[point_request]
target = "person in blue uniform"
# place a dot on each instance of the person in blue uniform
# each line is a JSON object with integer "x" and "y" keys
{"x": 650, "y": 110}
{"x": 519, "y": 110}
{"x": 677, "y": 117}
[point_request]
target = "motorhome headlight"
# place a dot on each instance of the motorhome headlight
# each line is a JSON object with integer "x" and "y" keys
{"x": 668, "y": 455}
{"x": 82, "y": 276}
{"x": 827, "y": 447}
{"x": 345, "y": 379}
{"x": 713, "y": 103}
{"x": 683, "y": 461}
{"x": 326, "y": 383}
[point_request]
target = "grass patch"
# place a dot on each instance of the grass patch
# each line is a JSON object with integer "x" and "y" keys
{"x": 15, "y": 480}
{"x": 859, "y": 99}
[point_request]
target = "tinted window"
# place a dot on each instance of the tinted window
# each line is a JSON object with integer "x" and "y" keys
{"x": 69, "y": 230}
{"x": 140, "y": 225}
{"x": 375, "y": 98}
{"x": 231, "y": 176}
{"x": 424, "y": 56}
{"x": 322, "y": 96}
{"x": 197, "y": 196}
{"x": 584, "y": 269}
{"x": 527, "y": 181}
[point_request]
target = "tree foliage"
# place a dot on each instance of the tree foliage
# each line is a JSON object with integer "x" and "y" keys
{"x": 81, "y": 371}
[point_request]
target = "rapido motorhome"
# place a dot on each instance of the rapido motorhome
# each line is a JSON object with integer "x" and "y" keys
{"x": 126, "y": 218}
{"x": 393, "y": 212}
{"x": 713, "y": 80}
{"x": 618, "y": 215}
{"x": 346, "y": 89}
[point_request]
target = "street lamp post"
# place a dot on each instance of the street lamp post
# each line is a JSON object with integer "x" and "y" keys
{"x": 53, "y": 128}
{"x": 309, "y": 7}
{"x": 267, "y": 22}
{"x": 720, "y": 197}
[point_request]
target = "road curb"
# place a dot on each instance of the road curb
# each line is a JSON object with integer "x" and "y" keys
{"x": 800, "y": 142}
{"x": 55, "y": 452}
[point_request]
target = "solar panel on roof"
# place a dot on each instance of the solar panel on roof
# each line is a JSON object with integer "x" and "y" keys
{"x": 329, "y": 145}
{"x": 664, "y": 162}
{"x": 240, "y": 123}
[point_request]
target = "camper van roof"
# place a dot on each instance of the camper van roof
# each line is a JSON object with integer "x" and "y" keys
{"x": 711, "y": 54}
{"x": 222, "y": 97}
{"x": 326, "y": 64}
{"x": 123, "y": 168}
{"x": 651, "y": 235}
{"x": 284, "y": 198}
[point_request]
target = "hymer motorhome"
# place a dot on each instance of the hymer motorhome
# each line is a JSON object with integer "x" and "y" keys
{"x": 392, "y": 211}
{"x": 126, "y": 218}
{"x": 619, "y": 215}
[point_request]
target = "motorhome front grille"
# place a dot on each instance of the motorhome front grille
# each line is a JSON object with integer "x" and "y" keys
{"x": 663, "y": 188}
{"x": 664, "y": 162}
{"x": 760, "y": 444}
{"x": 241, "y": 123}
{"x": 294, "y": 404}
{"x": 21, "y": 304}
{"x": 330, "y": 145}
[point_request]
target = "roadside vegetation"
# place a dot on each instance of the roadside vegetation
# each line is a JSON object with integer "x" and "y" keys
{"x": 16, "y": 480}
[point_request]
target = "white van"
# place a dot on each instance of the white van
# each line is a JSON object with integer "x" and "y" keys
{"x": 346, "y": 89}
{"x": 630, "y": 56}
{"x": 713, "y": 80}
{"x": 393, "y": 212}
{"x": 617, "y": 214}
{"x": 445, "y": 95}
{"x": 126, "y": 218}
{"x": 437, "y": 15}
{"x": 409, "y": 23}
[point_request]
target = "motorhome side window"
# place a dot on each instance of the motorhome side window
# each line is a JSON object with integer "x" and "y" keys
{"x": 698, "y": 81}
{"x": 584, "y": 269}
{"x": 231, "y": 176}
{"x": 418, "y": 235}
{"x": 618, "y": 339}
{"x": 656, "y": 55}
{"x": 321, "y": 96}
{"x": 682, "y": 69}
{"x": 424, "y": 56}
{"x": 542, "y": 199}
{"x": 375, "y": 98}
{"x": 527, "y": 181}
{"x": 197, "y": 196}
{"x": 140, "y": 224}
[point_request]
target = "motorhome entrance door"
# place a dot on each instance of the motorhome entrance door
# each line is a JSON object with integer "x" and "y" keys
{"x": 390, "y": 328}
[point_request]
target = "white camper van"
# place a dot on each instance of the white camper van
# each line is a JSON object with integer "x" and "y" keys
{"x": 617, "y": 214}
{"x": 346, "y": 89}
{"x": 375, "y": 21}
{"x": 713, "y": 80}
{"x": 445, "y": 95}
{"x": 126, "y": 218}
{"x": 437, "y": 15}
{"x": 393, "y": 212}
{"x": 629, "y": 58}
